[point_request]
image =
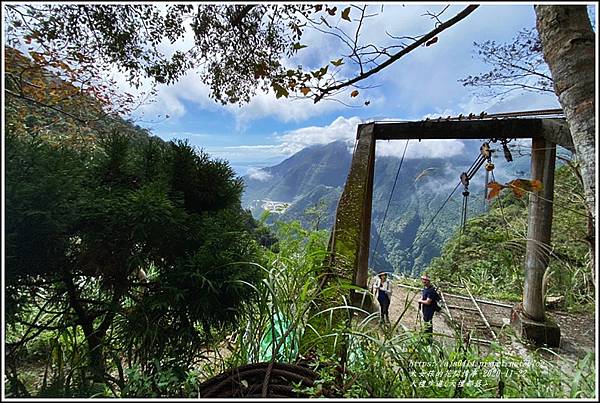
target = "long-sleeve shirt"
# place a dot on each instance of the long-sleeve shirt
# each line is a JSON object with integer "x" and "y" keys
{"x": 385, "y": 286}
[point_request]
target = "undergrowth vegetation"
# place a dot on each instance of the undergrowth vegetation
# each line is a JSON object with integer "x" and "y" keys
{"x": 382, "y": 361}
{"x": 488, "y": 255}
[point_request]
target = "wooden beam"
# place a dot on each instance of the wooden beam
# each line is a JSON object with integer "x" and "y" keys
{"x": 553, "y": 129}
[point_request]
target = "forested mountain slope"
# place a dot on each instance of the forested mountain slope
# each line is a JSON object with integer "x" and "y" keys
{"x": 311, "y": 181}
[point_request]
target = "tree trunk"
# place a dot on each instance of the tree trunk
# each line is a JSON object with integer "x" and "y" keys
{"x": 96, "y": 363}
{"x": 568, "y": 44}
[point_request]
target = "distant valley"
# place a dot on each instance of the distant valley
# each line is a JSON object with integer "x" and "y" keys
{"x": 307, "y": 187}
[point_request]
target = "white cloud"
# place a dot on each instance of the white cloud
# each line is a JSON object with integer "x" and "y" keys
{"x": 421, "y": 149}
{"x": 291, "y": 142}
{"x": 259, "y": 174}
{"x": 190, "y": 88}
{"x": 284, "y": 109}
{"x": 340, "y": 129}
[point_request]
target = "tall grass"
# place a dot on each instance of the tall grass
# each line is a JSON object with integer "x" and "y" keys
{"x": 382, "y": 361}
{"x": 287, "y": 322}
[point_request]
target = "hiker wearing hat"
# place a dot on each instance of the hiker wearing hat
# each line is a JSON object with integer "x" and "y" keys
{"x": 383, "y": 292}
{"x": 427, "y": 305}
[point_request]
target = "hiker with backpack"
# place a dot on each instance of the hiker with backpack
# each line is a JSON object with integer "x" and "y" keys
{"x": 428, "y": 305}
{"x": 383, "y": 292}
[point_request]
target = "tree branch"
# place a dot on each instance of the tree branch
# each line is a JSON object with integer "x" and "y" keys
{"x": 237, "y": 19}
{"x": 458, "y": 17}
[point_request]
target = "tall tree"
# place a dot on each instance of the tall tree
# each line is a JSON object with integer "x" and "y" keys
{"x": 568, "y": 44}
{"x": 82, "y": 224}
{"x": 569, "y": 48}
{"x": 236, "y": 49}
{"x": 517, "y": 65}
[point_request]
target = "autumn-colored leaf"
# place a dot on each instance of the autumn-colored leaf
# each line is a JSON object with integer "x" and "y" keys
{"x": 495, "y": 189}
{"x": 431, "y": 41}
{"x": 337, "y": 62}
{"x": 37, "y": 57}
{"x": 332, "y": 11}
{"x": 520, "y": 186}
{"x": 305, "y": 90}
{"x": 354, "y": 93}
{"x": 528, "y": 185}
{"x": 536, "y": 185}
{"x": 318, "y": 7}
{"x": 63, "y": 65}
{"x": 518, "y": 192}
{"x": 346, "y": 14}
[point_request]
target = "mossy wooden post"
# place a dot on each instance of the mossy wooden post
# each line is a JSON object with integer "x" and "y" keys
{"x": 539, "y": 227}
{"x": 351, "y": 233}
{"x": 529, "y": 319}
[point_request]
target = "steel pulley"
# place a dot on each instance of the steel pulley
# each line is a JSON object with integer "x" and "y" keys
{"x": 507, "y": 153}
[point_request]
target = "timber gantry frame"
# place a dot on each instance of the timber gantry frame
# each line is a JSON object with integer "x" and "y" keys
{"x": 350, "y": 235}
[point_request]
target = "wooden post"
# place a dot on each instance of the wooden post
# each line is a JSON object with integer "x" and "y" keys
{"x": 539, "y": 227}
{"x": 350, "y": 238}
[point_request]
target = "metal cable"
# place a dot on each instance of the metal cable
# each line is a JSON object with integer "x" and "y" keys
{"x": 389, "y": 201}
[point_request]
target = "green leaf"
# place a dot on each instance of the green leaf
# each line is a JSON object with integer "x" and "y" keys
{"x": 280, "y": 91}
{"x": 337, "y": 62}
{"x": 298, "y": 46}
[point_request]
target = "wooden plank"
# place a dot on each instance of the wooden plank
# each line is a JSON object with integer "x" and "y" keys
{"x": 446, "y": 305}
{"x": 350, "y": 235}
{"x": 481, "y": 313}
{"x": 361, "y": 273}
{"x": 462, "y": 308}
{"x": 481, "y": 301}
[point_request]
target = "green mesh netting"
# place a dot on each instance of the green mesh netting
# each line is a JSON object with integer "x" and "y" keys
{"x": 275, "y": 331}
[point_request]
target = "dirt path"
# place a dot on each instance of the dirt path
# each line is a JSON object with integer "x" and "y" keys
{"x": 577, "y": 330}
{"x": 404, "y": 306}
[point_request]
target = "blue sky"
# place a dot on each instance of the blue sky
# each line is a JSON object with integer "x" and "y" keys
{"x": 423, "y": 83}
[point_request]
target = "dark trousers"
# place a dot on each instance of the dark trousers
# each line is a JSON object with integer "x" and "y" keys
{"x": 384, "y": 305}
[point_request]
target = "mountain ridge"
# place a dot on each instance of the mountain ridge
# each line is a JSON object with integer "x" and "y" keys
{"x": 311, "y": 181}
